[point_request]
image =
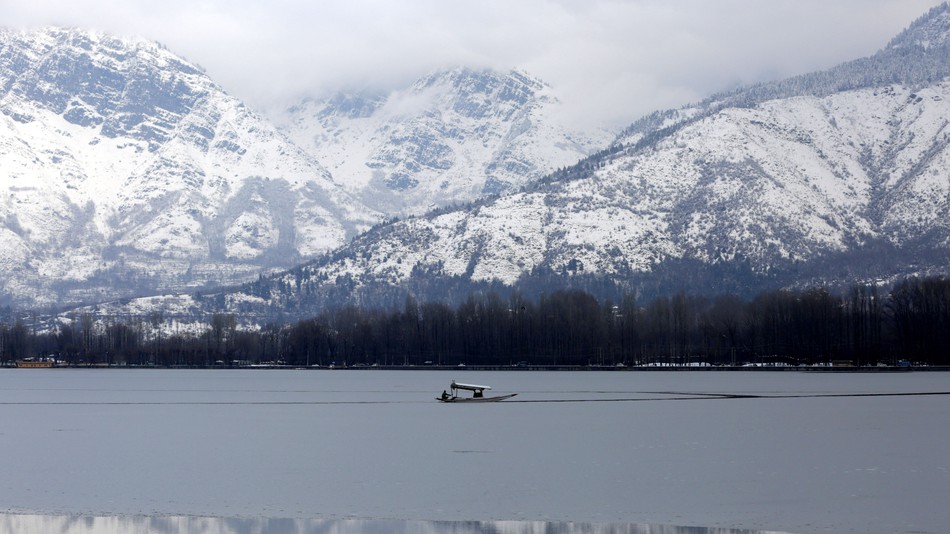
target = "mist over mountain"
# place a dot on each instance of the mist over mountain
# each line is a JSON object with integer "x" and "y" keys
{"x": 453, "y": 136}
{"x": 835, "y": 177}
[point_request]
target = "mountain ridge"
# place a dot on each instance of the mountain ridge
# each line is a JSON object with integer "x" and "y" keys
{"x": 122, "y": 161}
{"x": 131, "y": 172}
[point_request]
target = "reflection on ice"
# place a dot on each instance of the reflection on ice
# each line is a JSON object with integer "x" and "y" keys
{"x": 88, "y": 524}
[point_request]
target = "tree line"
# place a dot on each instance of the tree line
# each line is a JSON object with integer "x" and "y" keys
{"x": 864, "y": 325}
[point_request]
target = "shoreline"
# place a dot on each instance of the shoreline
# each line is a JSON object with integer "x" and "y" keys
{"x": 519, "y": 368}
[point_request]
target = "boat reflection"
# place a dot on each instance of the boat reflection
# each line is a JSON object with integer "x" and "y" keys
{"x": 90, "y": 524}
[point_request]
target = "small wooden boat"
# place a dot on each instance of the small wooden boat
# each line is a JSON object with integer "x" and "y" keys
{"x": 30, "y": 363}
{"x": 478, "y": 394}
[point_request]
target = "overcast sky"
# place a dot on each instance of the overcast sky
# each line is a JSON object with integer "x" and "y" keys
{"x": 609, "y": 60}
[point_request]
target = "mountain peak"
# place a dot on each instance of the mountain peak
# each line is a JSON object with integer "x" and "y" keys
{"x": 98, "y": 80}
{"x": 930, "y": 31}
{"x": 451, "y": 136}
{"x": 116, "y": 152}
{"x": 463, "y": 75}
{"x": 48, "y": 38}
{"x": 472, "y": 86}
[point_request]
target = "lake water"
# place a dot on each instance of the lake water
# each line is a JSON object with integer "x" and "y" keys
{"x": 781, "y": 451}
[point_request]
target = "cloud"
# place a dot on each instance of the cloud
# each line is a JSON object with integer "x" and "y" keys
{"x": 610, "y": 60}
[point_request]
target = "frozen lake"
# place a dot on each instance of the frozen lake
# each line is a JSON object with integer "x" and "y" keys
{"x": 785, "y": 451}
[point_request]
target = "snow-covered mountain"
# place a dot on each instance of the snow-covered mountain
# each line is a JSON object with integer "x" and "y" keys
{"x": 840, "y": 176}
{"x": 451, "y": 137}
{"x": 837, "y": 176}
{"x": 124, "y": 169}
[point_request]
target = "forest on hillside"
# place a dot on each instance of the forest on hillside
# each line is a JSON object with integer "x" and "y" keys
{"x": 864, "y": 325}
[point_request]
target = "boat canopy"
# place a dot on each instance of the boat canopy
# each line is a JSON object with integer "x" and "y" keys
{"x": 470, "y": 387}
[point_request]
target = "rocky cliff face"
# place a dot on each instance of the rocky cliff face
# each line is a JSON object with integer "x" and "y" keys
{"x": 124, "y": 169}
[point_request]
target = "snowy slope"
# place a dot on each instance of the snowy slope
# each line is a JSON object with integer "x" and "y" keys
{"x": 451, "y": 137}
{"x": 784, "y": 182}
{"x": 125, "y": 169}
{"x": 808, "y": 177}
{"x": 800, "y": 190}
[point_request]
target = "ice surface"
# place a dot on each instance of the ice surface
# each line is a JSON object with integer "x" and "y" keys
{"x": 601, "y": 447}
